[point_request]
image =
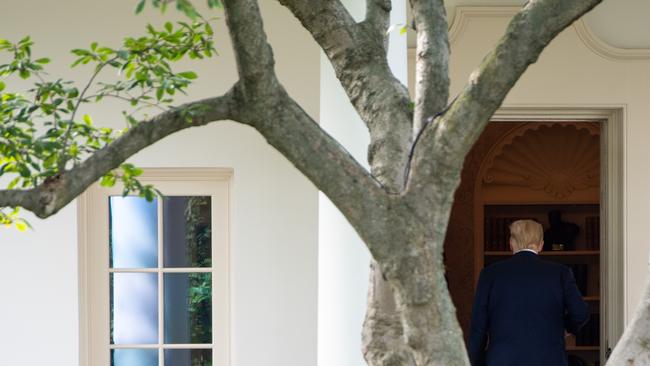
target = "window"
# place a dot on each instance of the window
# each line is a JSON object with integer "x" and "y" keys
{"x": 154, "y": 275}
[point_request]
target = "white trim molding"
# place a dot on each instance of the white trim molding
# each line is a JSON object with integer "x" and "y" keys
{"x": 464, "y": 14}
{"x": 92, "y": 213}
{"x": 606, "y": 50}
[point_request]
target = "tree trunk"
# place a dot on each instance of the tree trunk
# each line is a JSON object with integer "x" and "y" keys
{"x": 428, "y": 315}
{"x": 383, "y": 340}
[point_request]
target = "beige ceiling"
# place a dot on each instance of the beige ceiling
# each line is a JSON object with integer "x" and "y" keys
{"x": 621, "y": 23}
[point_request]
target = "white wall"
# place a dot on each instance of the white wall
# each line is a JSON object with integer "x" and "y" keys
{"x": 274, "y": 216}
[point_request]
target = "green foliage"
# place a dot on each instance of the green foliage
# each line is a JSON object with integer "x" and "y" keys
{"x": 184, "y": 6}
{"x": 41, "y": 132}
{"x": 11, "y": 218}
{"x": 130, "y": 183}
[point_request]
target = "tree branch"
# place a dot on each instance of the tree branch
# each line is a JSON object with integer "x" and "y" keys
{"x": 358, "y": 54}
{"x": 378, "y": 17}
{"x": 255, "y": 62}
{"x": 290, "y": 130}
{"x": 54, "y": 193}
{"x": 432, "y": 60}
{"x": 441, "y": 147}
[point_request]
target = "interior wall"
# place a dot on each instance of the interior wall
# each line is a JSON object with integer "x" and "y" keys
{"x": 571, "y": 74}
{"x": 274, "y": 208}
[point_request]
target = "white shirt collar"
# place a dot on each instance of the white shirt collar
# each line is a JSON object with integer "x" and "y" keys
{"x": 526, "y": 250}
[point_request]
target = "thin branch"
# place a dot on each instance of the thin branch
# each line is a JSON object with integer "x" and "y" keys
{"x": 358, "y": 54}
{"x": 432, "y": 60}
{"x": 66, "y": 136}
{"x": 441, "y": 147}
{"x": 98, "y": 70}
{"x": 54, "y": 193}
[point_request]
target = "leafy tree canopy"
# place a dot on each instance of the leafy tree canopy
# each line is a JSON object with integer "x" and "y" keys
{"x": 41, "y": 130}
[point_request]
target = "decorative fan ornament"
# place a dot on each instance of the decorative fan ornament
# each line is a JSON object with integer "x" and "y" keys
{"x": 558, "y": 158}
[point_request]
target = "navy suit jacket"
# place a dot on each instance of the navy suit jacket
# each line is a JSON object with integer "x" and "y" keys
{"x": 522, "y": 307}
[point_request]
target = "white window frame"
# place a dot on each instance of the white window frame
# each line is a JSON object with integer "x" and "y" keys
{"x": 92, "y": 211}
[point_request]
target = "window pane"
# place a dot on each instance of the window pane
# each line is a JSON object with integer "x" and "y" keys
{"x": 134, "y": 308}
{"x": 188, "y": 357}
{"x": 133, "y": 232}
{"x": 187, "y": 231}
{"x": 188, "y": 308}
{"x": 134, "y": 357}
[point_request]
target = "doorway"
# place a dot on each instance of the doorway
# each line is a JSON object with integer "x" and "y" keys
{"x": 526, "y": 169}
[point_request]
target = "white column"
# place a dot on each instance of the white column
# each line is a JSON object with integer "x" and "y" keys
{"x": 343, "y": 258}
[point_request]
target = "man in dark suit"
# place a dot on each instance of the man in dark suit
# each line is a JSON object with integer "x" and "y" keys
{"x": 524, "y": 306}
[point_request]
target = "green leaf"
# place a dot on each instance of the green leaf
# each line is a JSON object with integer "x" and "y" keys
{"x": 2, "y": 86}
{"x": 123, "y": 54}
{"x": 24, "y": 74}
{"x": 214, "y": 4}
{"x": 148, "y": 194}
{"x": 13, "y": 183}
{"x": 131, "y": 121}
{"x": 42, "y": 61}
{"x": 108, "y": 180}
{"x": 191, "y": 75}
{"x": 169, "y": 27}
{"x": 21, "y": 225}
{"x": 88, "y": 120}
{"x": 24, "y": 171}
{"x": 139, "y": 7}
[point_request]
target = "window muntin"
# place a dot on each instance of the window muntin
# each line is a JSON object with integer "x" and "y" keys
{"x": 160, "y": 281}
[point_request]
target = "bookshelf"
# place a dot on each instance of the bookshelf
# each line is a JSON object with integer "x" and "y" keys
{"x": 526, "y": 175}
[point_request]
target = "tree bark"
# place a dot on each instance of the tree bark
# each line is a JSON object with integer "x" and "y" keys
{"x": 432, "y": 61}
{"x": 383, "y": 335}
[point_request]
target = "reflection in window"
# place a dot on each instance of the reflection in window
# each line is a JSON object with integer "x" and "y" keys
{"x": 188, "y": 357}
{"x": 134, "y": 308}
{"x": 186, "y": 231}
{"x": 188, "y": 307}
{"x": 133, "y": 232}
{"x": 134, "y": 357}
